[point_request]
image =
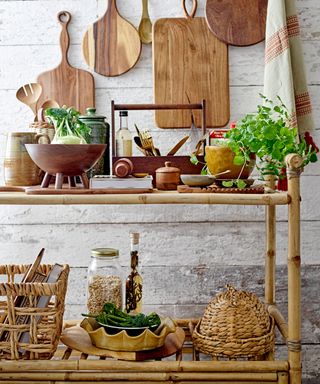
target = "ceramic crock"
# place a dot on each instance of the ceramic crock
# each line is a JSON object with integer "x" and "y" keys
{"x": 100, "y": 131}
{"x": 19, "y": 169}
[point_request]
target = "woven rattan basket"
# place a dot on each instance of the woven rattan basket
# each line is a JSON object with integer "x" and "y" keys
{"x": 235, "y": 324}
{"x": 42, "y": 127}
{"x": 40, "y": 326}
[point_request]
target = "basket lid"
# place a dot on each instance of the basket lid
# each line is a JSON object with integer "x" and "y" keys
{"x": 235, "y": 314}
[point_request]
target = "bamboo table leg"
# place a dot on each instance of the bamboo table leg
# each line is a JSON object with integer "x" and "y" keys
{"x": 270, "y": 260}
{"x": 294, "y": 163}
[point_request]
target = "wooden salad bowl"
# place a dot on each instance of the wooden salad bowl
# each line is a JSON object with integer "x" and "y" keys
{"x": 69, "y": 160}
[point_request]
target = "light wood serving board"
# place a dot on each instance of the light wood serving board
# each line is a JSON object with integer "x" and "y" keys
{"x": 77, "y": 338}
{"x": 240, "y": 22}
{"x": 189, "y": 62}
{"x": 112, "y": 45}
{"x": 65, "y": 84}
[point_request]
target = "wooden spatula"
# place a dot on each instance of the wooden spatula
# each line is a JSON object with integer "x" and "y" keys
{"x": 65, "y": 84}
{"x": 176, "y": 148}
{"x": 112, "y": 45}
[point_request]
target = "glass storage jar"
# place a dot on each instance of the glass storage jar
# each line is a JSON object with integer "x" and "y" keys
{"x": 105, "y": 282}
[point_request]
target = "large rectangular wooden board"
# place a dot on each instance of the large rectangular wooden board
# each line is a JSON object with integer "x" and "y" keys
{"x": 189, "y": 63}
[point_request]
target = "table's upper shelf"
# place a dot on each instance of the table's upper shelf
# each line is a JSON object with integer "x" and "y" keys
{"x": 20, "y": 198}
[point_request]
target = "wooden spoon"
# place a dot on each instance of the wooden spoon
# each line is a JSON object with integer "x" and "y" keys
{"x": 29, "y": 94}
{"x": 145, "y": 26}
{"x": 46, "y": 105}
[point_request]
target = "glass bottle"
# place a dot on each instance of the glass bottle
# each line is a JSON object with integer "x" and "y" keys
{"x": 104, "y": 279}
{"x": 123, "y": 137}
{"x": 134, "y": 280}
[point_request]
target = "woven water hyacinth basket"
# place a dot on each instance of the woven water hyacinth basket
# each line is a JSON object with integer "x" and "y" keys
{"x": 235, "y": 324}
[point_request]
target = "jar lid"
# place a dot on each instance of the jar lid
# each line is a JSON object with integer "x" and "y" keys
{"x": 105, "y": 252}
{"x": 91, "y": 114}
{"x": 168, "y": 168}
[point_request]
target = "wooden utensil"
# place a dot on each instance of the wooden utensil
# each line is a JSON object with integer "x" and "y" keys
{"x": 145, "y": 26}
{"x": 241, "y": 22}
{"x": 29, "y": 94}
{"x": 112, "y": 45}
{"x": 47, "y": 104}
{"x": 189, "y": 60}
{"x": 65, "y": 84}
{"x": 176, "y": 148}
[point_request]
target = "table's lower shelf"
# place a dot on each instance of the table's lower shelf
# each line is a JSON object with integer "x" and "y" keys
{"x": 70, "y": 366}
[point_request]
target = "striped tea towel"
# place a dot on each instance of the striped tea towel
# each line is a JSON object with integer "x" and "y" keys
{"x": 284, "y": 67}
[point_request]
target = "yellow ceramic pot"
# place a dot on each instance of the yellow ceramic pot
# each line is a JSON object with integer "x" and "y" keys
{"x": 220, "y": 159}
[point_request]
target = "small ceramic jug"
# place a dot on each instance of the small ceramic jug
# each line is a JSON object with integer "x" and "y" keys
{"x": 19, "y": 169}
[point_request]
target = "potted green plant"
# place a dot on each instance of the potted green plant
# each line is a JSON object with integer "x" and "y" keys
{"x": 267, "y": 133}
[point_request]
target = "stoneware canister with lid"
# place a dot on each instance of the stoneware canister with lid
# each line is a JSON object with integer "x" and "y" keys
{"x": 100, "y": 131}
{"x": 167, "y": 177}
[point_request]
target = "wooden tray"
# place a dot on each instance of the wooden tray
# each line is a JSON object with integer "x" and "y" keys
{"x": 82, "y": 191}
{"x": 77, "y": 338}
{"x": 213, "y": 189}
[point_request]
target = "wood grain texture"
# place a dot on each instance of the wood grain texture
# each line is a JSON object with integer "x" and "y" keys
{"x": 188, "y": 61}
{"x": 240, "y": 23}
{"x": 65, "y": 84}
{"x": 112, "y": 45}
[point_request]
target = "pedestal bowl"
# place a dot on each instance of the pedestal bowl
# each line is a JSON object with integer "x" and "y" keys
{"x": 69, "y": 160}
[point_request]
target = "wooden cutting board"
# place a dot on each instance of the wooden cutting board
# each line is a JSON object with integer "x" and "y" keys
{"x": 77, "y": 338}
{"x": 112, "y": 45}
{"x": 189, "y": 62}
{"x": 240, "y": 22}
{"x": 65, "y": 84}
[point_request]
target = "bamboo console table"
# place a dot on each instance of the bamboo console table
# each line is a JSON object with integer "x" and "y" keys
{"x": 69, "y": 366}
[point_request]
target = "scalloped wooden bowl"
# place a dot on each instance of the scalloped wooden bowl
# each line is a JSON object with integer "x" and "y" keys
{"x": 121, "y": 341}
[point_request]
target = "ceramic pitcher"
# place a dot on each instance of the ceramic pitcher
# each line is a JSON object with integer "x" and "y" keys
{"x": 19, "y": 169}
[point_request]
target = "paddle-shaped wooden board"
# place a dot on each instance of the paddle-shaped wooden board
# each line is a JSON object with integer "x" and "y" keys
{"x": 240, "y": 22}
{"x": 112, "y": 45}
{"x": 189, "y": 62}
{"x": 65, "y": 84}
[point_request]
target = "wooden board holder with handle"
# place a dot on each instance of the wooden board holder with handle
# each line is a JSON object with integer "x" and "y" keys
{"x": 151, "y": 163}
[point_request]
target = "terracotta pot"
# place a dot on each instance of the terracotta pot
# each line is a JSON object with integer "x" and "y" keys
{"x": 167, "y": 177}
{"x": 220, "y": 159}
{"x": 123, "y": 167}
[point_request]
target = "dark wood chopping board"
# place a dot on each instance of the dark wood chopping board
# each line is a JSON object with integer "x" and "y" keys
{"x": 65, "y": 84}
{"x": 189, "y": 63}
{"x": 112, "y": 45}
{"x": 237, "y": 22}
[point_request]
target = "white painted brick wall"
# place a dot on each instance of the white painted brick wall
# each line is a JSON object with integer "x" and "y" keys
{"x": 178, "y": 236}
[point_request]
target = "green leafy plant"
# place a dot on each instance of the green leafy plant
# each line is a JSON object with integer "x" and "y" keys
{"x": 69, "y": 129}
{"x": 268, "y": 134}
{"x": 113, "y": 316}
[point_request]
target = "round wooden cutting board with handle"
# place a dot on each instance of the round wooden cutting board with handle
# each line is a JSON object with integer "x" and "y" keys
{"x": 112, "y": 45}
{"x": 237, "y": 22}
{"x": 65, "y": 84}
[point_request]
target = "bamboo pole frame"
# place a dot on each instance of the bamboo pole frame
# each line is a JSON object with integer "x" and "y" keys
{"x": 294, "y": 163}
{"x": 270, "y": 259}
